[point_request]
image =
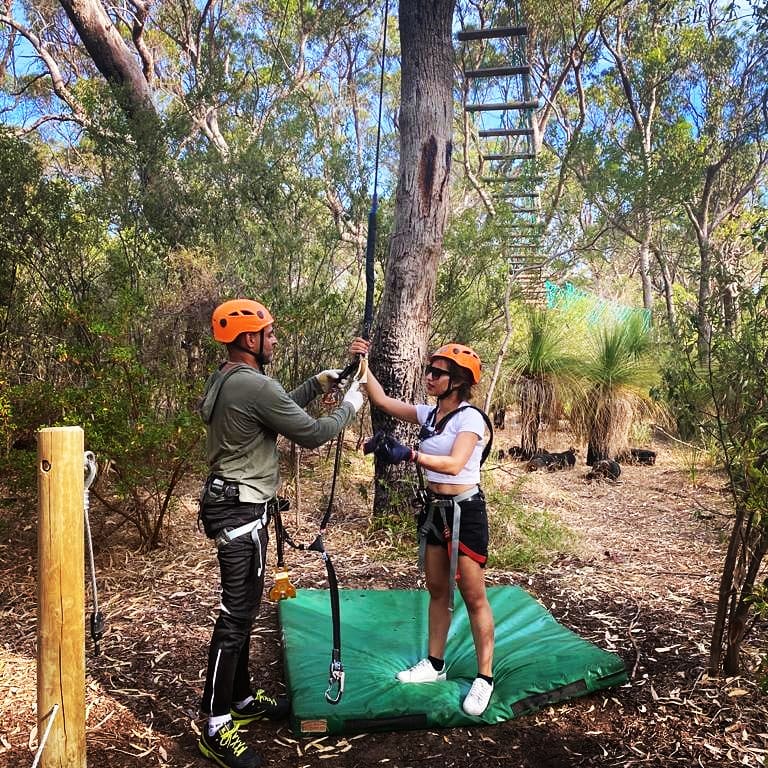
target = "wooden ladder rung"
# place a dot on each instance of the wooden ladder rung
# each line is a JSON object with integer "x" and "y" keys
{"x": 497, "y": 72}
{"x": 491, "y": 32}
{"x": 502, "y": 106}
{"x": 513, "y": 156}
{"x": 494, "y": 132}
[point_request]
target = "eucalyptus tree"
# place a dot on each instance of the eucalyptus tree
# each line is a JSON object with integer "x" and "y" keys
{"x": 422, "y": 200}
{"x": 625, "y": 158}
{"x": 727, "y": 151}
{"x": 208, "y": 63}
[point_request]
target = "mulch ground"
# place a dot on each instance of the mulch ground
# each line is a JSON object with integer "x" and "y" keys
{"x": 641, "y": 581}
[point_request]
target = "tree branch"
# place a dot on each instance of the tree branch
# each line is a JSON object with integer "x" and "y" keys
{"x": 59, "y": 86}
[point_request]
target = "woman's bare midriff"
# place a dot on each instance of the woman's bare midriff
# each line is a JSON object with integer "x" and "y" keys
{"x": 447, "y": 489}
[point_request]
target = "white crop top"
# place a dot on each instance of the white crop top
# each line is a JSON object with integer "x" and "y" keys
{"x": 468, "y": 420}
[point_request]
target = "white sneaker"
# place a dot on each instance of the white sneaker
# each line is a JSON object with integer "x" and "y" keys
{"x": 478, "y": 698}
{"x": 423, "y": 672}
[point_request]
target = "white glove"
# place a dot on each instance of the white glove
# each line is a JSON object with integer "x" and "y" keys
{"x": 354, "y": 396}
{"x": 326, "y": 379}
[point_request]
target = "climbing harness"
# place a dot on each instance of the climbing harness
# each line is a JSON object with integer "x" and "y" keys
{"x": 97, "y": 618}
{"x": 427, "y": 502}
{"x": 434, "y": 503}
{"x": 430, "y": 429}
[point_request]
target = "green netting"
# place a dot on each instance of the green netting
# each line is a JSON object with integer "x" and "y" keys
{"x": 595, "y": 309}
{"x": 537, "y": 661}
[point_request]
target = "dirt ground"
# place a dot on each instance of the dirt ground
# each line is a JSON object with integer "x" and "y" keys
{"x": 641, "y": 581}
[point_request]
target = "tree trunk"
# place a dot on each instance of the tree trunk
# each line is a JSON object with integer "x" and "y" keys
{"x": 530, "y": 392}
{"x": 132, "y": 91}
{"x": 703, "y": 324}
{"x": 421, "y": 209}
{"x": 668, "y": 297}
{"x": 645, "y": 267}
{"x": 110, "y": 54}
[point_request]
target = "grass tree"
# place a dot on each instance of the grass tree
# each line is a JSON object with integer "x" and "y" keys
{"x": 544, "y": 371}
{"x": 619, "y": 371}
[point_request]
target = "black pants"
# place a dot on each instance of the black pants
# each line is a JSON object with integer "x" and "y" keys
{"x": 242, "y": 564}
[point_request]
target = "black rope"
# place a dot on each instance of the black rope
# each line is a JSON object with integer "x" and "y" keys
{"x": 336, "y": 671}
{"x": 335, "y": 688}
{"x": 370, "y": 243}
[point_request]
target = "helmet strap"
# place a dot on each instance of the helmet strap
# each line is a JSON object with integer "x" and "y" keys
{"x": 451, "y": 389}
{"x": 257, "y": 356}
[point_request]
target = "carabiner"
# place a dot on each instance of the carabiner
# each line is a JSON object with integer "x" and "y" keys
{"x": 335, "y": 680}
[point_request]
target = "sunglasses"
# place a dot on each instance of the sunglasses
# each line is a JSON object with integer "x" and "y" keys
{"x": 435, "y": 373}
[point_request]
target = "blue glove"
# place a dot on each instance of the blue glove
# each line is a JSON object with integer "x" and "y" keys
{"x": 387, "y": 449}
{"x": 372, "y": 443}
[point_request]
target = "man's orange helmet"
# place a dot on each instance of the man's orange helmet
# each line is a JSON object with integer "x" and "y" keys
{"x": 463, "y": 356}
{"x": 237, "y": 316}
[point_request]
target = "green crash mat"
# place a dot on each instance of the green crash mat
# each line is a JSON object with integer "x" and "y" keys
{"x": 536, "y": 661}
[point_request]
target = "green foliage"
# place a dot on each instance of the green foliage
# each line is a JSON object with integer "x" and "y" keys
{"x": 144, "y": 447}
{"x": 725, "y": 402}
{"x": 7, "y": 425}
{"x": 522, "y": 538}
{"x": 470, "y": 284}
{"x": 620, "y": 373}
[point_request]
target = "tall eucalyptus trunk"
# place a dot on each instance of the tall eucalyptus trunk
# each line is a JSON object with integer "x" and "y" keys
{"x": 421, "y": 209}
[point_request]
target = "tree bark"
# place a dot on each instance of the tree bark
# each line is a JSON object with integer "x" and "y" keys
{"x": 111, "y": 55}
{"x": 421, "y": 208}
{"x": 645, "y": 266}
{"x": 667, "y": 283}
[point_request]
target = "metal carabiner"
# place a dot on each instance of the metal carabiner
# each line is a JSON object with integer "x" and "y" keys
{"x": 335, "y": 679}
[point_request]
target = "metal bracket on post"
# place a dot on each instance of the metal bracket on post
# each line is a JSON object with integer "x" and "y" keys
{"x": 97, "y": 619}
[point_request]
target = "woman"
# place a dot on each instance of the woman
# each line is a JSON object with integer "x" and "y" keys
{"x": 449, "y": 453}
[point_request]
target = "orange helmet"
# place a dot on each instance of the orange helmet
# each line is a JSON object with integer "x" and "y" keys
{"x": 463, "y": 356}
{"x": 237, "y": 316}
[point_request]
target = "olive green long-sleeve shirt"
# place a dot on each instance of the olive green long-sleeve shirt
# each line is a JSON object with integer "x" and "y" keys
{"x": 244, "y": 412}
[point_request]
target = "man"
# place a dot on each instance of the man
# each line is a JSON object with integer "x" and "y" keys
{"x": 244, "y": 411}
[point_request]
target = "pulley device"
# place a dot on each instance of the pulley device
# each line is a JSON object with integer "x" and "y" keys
{"x": 354, "y": 372}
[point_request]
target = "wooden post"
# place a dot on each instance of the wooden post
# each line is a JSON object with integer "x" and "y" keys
{"x": 61, "y": 595}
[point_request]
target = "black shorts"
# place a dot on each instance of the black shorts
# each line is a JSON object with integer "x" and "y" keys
{"x": 473, "y": 527}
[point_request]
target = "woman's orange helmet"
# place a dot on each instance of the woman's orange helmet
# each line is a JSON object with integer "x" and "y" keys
{"x": 463, "y": 356}
{"x": 237, "y": 316}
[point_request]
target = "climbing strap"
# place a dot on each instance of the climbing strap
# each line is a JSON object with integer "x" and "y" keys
{"x": 434, "y": 503}
{"x": 335, "y": 688}
{"x": 430, "y": 429}
{"x": 252, "y": 526}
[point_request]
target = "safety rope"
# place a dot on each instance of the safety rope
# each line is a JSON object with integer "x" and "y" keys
{"x": 41, "y": 746}
{"x": 355, "y": 371}
{"x": 97, "y": 618}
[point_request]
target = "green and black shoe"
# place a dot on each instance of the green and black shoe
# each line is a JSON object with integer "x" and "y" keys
{"x": 227, "y": 749}
{"x": 262, "y": 707}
